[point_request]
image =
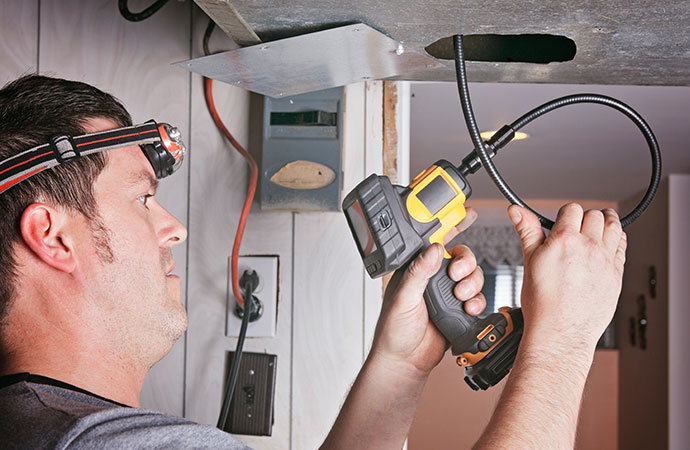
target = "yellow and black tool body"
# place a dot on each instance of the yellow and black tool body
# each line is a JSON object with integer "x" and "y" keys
{"x": 393, "y": 224}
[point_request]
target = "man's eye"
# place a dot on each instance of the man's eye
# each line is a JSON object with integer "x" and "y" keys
{"x": 144, "y": 198}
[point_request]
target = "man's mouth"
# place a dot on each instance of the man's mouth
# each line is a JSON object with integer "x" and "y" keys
{"x": 172, "y": 267}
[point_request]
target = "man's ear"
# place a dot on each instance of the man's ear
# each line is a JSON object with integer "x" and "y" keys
{"x": 44, "y": 230}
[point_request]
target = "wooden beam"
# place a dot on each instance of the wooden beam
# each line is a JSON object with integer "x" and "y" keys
{"x": 230, "y": 21}
{"x": 390, "y": 130}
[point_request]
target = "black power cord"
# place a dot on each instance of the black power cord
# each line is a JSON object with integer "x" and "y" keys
{"x": 486, "y": 150}
{"x": 249, "y": 283}
{"x": 145, "y": 14}
{"x": 207, "y": 36}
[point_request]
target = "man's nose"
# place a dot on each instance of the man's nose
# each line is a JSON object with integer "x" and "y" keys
{"x": 172, "y": 232}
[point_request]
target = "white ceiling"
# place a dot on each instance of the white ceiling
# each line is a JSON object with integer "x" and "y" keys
{"x": 578, "y": 152}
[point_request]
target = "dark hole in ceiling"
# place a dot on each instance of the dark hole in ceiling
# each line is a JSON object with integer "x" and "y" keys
{"x": 525, "y": 48}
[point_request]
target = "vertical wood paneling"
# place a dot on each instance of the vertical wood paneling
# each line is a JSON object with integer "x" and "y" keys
{"x": 327, "y": 323}
{"x": 373, "y": 163}
{"x": 90, "y": 42}
{"x": 218, "y": 187}
{"x": 19, "y": 38}
{"x": 354, "y": 138}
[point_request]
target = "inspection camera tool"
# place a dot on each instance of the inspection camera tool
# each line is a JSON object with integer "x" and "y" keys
{"x": 161, "y": 143}
{"x": 393, "y": 224}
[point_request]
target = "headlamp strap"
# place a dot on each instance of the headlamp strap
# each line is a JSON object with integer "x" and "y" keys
{"x": 64, "y": 148}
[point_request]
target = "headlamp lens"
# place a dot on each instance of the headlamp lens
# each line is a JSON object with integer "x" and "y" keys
{"x": 171, "y": 139}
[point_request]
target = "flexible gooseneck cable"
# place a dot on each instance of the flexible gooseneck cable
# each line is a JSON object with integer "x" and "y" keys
{"x": 485, "y": 153}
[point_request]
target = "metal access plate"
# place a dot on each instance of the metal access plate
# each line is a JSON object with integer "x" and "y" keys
{"x": 312, "y": 62}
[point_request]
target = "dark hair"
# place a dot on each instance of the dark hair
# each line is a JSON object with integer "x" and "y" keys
{"x": 32, "y": 109}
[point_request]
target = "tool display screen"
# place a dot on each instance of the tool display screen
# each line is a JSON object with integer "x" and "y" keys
{"x": 361, "y": 230}
{"x": 436, "y": 195}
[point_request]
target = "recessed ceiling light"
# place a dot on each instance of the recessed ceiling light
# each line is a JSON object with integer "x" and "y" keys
{"x": 519, "y": 135}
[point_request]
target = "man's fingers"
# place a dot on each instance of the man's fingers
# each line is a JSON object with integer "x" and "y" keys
{"x": 593, "y": 224}
{"x": 569, "y": 218}
{"x": 464, "y": 262}
{"x": 470, "y": 286}
{"x": 528, "y": 228}
{"x": 620, "y": 251}
{"x": 415, "y": 277}
{"x": 470, "y": 217}
{"x": 612, "y": 229}
{"x": 476, "y": 305}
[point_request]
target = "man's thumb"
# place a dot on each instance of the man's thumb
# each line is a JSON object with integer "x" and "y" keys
{"x": 528, "y": 228}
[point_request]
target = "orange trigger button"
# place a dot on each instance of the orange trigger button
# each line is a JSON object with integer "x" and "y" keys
{"x": 504, "y": 309}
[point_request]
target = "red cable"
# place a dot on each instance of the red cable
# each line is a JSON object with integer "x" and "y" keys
{"x": 208, "y": 82}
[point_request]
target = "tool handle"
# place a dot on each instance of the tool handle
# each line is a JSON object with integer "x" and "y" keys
{"x": 469, "y": 336}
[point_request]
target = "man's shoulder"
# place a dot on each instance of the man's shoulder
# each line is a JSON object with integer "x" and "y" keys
{"x": 45, "y": 416}
{"x": 141, "y": 428}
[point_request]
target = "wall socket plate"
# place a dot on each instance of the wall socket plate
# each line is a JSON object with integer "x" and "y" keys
{"x": 251, "y": 409}
{"x": 266, "y": 266}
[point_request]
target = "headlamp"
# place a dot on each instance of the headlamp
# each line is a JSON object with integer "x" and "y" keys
{"x": 161, "y": 143}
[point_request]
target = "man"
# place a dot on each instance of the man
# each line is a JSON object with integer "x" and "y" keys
{"x": 88, "y": 305}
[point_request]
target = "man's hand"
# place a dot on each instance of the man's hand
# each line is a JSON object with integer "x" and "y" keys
{"x": 572, "y": 278}
{"x": 379, "y": 409}
{"x": 569, "y": 293}
{"x": 404, "y": 333}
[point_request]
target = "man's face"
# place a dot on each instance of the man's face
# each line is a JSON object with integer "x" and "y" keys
{"x": 138, "y": 300}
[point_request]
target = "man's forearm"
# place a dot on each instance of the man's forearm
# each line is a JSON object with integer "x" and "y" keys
{"x": 380, "y": 407}
{"x": 540, "y": 404}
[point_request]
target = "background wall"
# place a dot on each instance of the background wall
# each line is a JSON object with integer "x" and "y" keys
{"x": 655, "y": 397}
{"x": 325, "y": 321}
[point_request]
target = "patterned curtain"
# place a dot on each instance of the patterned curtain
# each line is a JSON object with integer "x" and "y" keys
{"x": 494, "y": 244}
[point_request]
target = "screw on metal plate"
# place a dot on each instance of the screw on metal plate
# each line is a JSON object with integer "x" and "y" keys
{"x": 400, "y": 50}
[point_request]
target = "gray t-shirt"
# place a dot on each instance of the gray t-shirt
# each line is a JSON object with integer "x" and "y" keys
{"x": 41, "y": 413}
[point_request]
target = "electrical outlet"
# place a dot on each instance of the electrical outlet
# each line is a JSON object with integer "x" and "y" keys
{"x": 266, "y": 266}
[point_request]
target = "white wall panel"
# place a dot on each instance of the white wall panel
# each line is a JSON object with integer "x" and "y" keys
{"x": 373, "y": 163}
{"x": 91, "y": 42}
{"x": 327, "y": 323}
{"x": 18, "y": 38}
{"x": 218, "y": 188}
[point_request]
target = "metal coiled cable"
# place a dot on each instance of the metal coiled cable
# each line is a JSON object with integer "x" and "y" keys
{"x": 481, "y": 147}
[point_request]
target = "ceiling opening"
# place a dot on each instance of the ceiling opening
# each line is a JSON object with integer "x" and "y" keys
{"x": 524, "y": 48}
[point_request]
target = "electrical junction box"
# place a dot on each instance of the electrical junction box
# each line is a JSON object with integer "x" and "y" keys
{"x": 301, "y": 152}
{"x": 251, "y": 408}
